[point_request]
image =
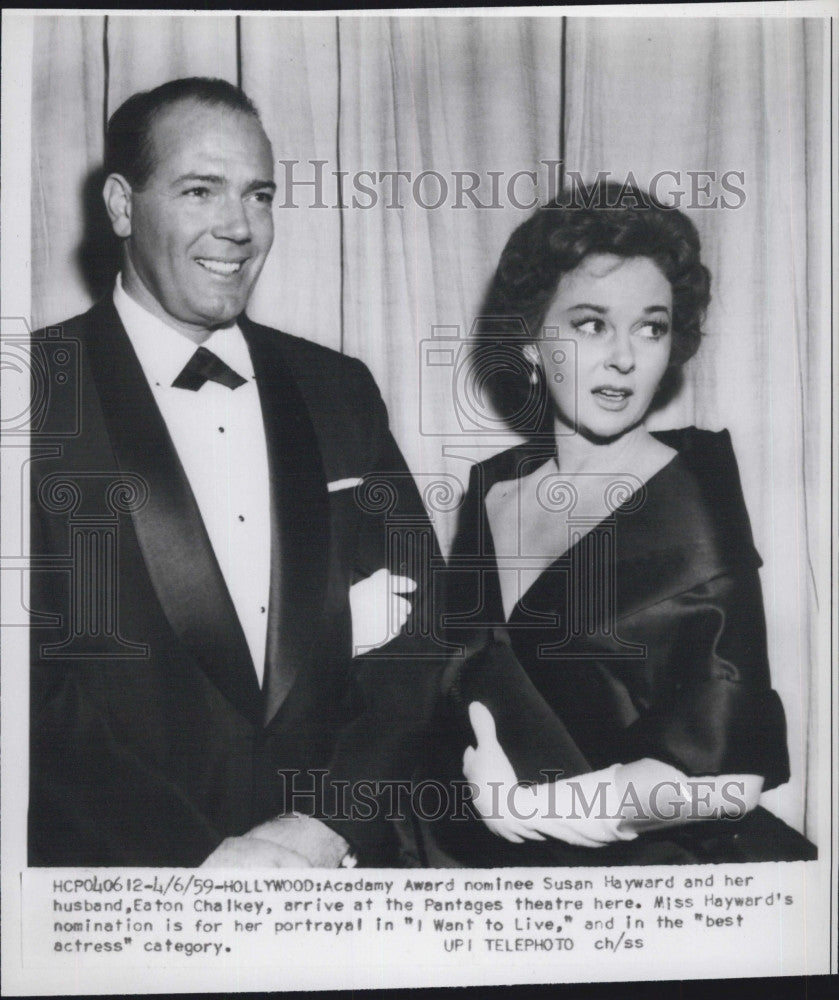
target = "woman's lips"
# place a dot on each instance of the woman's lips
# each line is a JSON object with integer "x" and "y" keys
{"x": 611, "y": 397}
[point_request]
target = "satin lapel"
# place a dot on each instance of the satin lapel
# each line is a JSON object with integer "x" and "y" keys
{"x": 299, "y": 518}
{"x": 169, "y": 527}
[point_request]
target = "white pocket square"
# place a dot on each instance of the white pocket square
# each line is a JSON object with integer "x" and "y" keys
{"x": 343, "y": 484}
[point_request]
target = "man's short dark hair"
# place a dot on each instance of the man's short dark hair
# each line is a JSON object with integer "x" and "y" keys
{"x": 128, "y": 144}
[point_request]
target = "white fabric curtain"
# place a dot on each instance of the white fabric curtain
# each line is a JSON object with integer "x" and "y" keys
{"x": 472, "y": 102}
{"x": 290, "y": 70}
{"x": 68, "y": 97}
{"x": 457, "y": 97}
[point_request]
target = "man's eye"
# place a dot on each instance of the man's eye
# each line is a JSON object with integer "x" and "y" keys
{"x": 264, "y": 197}
{"x": 198, "y": 192}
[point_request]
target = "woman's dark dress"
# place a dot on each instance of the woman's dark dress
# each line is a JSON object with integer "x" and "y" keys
{"x": 645, "y": 639}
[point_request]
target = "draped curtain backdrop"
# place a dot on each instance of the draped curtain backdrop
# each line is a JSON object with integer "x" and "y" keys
{"x": 476, "y": 113}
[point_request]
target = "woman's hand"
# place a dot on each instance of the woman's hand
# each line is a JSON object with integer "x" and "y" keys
{"x": 556, "y": 809}
{"x": 584, "y": 810}
{"x": 496, "y": 787}
{"x": 378, "y": 609}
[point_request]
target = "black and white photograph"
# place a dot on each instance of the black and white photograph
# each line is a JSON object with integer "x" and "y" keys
{"x": 418, "y": 450}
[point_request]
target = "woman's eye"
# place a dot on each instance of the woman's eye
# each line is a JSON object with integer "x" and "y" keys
{"x": 655, "y": 330}
{"x": 590, "y": 325}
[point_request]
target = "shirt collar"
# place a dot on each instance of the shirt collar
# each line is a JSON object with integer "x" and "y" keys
{"x": 163, "y": 351}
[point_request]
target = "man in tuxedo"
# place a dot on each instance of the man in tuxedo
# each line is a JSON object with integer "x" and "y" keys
{"x": 205, "y": 493}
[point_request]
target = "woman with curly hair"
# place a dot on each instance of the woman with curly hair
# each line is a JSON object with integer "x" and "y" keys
{"x": 615, "y": 701}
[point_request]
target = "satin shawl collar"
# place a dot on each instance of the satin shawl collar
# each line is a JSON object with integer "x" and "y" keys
{"x": 175, "y": 545}
{"x": 299, "y": 517}
{"x": 688, "y": 524}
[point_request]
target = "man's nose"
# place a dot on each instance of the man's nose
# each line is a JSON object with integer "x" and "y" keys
{"x": 232, "y": 222}
{"x": 621, "y": 355}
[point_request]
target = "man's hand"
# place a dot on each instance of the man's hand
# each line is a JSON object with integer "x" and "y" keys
{"x": 251, "y": 852}
{"x": 260, "y": 847}
{"x": 320, "y": 846}
{"x": 378, "y": 609}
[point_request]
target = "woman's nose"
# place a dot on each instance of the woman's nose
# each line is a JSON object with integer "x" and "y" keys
{"x": 621, "y": 356}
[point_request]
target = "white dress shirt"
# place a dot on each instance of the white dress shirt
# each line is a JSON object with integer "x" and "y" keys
{"x": 219, "y": 436}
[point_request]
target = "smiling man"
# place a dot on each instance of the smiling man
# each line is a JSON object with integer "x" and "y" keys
{"x": 195, "y": 212}
{"x": 193, "y": 678}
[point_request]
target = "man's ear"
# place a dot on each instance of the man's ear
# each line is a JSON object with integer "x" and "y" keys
{"x": 117, "y": 194}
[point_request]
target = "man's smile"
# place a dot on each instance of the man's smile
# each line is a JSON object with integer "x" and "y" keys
{"x": 222, "y": 267}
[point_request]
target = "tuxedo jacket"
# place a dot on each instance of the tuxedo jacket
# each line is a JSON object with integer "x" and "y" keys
{"x": 150, "y": 738}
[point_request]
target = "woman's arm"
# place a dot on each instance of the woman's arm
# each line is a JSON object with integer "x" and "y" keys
{"x": 600, "y": 807}
{"x": 653, "y": 794}
{"x": 627, "y": 799}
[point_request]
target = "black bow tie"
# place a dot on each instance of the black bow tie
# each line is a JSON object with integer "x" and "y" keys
{"x": 204, "y": 366}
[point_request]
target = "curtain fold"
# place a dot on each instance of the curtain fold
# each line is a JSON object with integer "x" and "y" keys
{"x": 146, "y": 51}
{"x": 815, "y": 359}
{"x": 67, "y": 148}
{"x": 290, "y": 70}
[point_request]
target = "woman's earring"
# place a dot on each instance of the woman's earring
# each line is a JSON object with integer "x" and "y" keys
{"x": 532, "y": 358}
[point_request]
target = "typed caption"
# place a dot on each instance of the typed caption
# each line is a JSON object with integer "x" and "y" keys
{"x": 504, "y": 923}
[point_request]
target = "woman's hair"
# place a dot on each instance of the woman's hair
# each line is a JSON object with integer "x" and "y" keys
{"x": 606, "y": 218}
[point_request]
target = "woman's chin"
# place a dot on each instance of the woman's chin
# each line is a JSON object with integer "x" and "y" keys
{"x": 600, "y": 431}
